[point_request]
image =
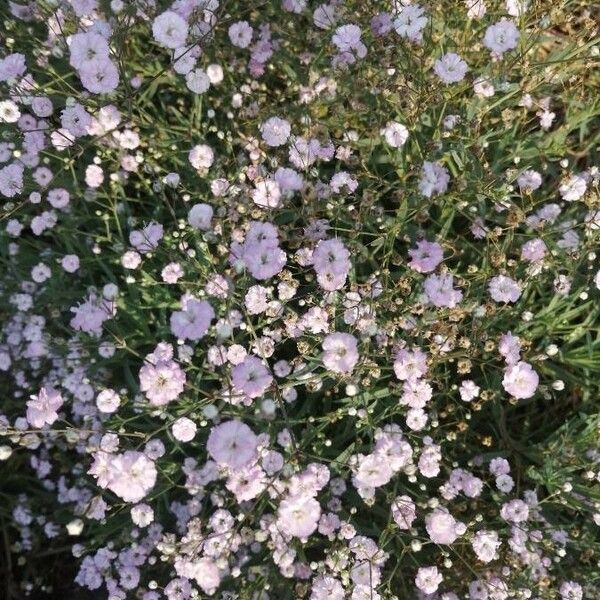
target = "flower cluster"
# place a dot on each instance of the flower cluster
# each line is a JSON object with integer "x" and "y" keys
{"x": 301, "y": 300}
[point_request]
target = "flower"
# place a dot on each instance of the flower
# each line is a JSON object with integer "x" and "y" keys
{"x": 108, "y": 401}
{"x": 485, "y": 544}
{"x": 201, "y": 156}
{"x": 483, "y": 87}
{"x": 70, "y": 263}
{"x": 267, "y": 194}
{"x": 529, "y": 181}
{"x": 251, "y": 377}
{"x": 142, "y": 515}
{"x": 573, "y": 188}
{"x": 410, "y": 364}
{"x": 476, "y": 9}
{"x": 94, "y": 176}
{"x": 264, "y": 260}
{"x": 200, "y": 216}
{"x": 340, "y": 353}
{"x": 275, "y": 131}
{"x": 442, "y": 527}
{"x": 404, "y": 511}
{"x": 298, "y": 516}
{"x": 11, "y": 180}
{"x": 99, "y": 76}
{"x": 450, "y": 68}
{"x": 9, "y": 112}
{"x": 170, "y": 30}
{"x": 91, "y": 314}
{"x": 440, "y": 291}
{"x": 197, "y": 81}
{"x": 416, "y": 393}
{"x": 232, "y": 444}
{"x": 395, "y": 134}
{"x": 42, "y": 409}
{"x": 410, "y": 22}
{"x": 510, "y": 348}
{"x": 515, "y": 511}
{"x": 428, "y": 579}
{"x": 373, "y": 471}
{"x": 520, "y": 380}
{"x": 325, "y": 587}
{"x": 534, "y": 250}
{"x": 469, "y": 390}
{"x": 240, "y": 34}
{"x": 161, "y": 379}
{"x": 434, "y": 179}
{"x": 145, "y": 240}
{"x": 131, "y": 475}
{"x": 501, "y": 37}
{"x": 172, "y": 272}
{"x": 570, "y": 590}
{"x": 184, "y": 429}
{"x": 504, "y": 289}
{"x": 516, "y": 8}
{"x": 331, "y": 261}
{"x": 499, "y": 466}
{"x": 247, "y": 483}
{"x": 206, "y": 574}
{"x": 346, "y": 37}
{"x": 87, "y": 47}
{"x": 426, "y": 256}
{"x": 324, "y": 16}
{"x": 12, "y": 66}
{"x": 193, "y": 321}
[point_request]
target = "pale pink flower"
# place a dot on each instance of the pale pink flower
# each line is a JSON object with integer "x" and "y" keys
{"x": 42, "y": 409}
{"x": 232, "y": 444}
{"x": 520, "y": 380}
{"x": 298, "y": 516}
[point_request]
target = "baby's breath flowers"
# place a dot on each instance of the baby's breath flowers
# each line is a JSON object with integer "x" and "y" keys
{"x": 300, "y": 300}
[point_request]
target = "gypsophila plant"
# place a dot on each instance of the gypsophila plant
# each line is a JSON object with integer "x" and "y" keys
{"x": 300, "y": 300}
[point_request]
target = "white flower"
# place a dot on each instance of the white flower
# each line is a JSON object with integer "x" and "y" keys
{"x": 9, "y": 112}
{"x": 170, "y": 30}
{"x": 483, "y": 87}
{"x": 573, "y": 189}
{"x": 529, "y": 181}
{"x": 324, "y": 16}
{"x": 184, "y": 429}
{"x": 410, "y": 22}
{"x": 240, "y": 34}
{"x": 395, "y": 134}
{"x": 476, "y": 9}
{"x": 197, "y": 81}
{"x": 200, "y": 216}
{"x": 501, "y": 37}
{"x": 469, "y": 390}
{"x": 346, "y": 37}
{"x": 516, "y": 8}
{"x": 108, "y": 401}
{"x": 546, "y": 118}
{"x": 485, "y": 544}
{"x": 373, "y": 471}
{"x": 267, "y": 194}
{"x": 232, "y": 443}
{"x": 428, "y": 579}
{"x": 520, "y": 380}
{"x": 275, "y": 131}
{"x": 298, "y": 516}
{"x": 450, "y": 68}
{"x": 434, "y": 179}
{"x": 201, "y": 156}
